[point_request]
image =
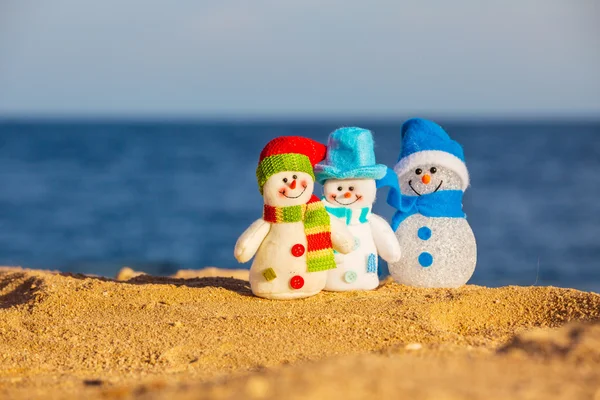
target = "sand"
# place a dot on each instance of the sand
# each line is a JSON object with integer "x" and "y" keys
{"x": 75, "y": 336}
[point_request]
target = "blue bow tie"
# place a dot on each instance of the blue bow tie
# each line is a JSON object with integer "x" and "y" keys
{"x": 346, "y": 213}
{"x": 445, "y": 203}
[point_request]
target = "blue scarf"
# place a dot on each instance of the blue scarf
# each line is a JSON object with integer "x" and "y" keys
{"x": 344, "y": 212}
{"x": 445, "y": 203}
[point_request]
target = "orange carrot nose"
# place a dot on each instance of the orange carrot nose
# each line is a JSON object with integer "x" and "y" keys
{"x": 347, "y": 195}
{"x": 426, "y": 179}
{"x": 293, "y": 185}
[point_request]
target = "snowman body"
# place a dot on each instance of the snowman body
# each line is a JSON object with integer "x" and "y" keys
{"x": 348, "y": 175}
{"x": 349, "y": 202}
{"x": 356, "y": 270}
{"x": 293, "y": 243}
{"x": 279, "y": 244}
{"x": 279, "y": 269}
{"x": 436, "y": 252}
{"x": 438, "y": 245}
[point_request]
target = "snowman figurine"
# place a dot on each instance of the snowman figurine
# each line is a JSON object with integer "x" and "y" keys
{"x": 294, "y": 240}
{"x": 348, "y": 176}
{"x": 437, "y": 242}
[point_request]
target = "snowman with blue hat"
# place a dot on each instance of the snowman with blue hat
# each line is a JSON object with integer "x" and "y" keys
{"x": 438, "y": 245}
{"x": 348, "y": 175}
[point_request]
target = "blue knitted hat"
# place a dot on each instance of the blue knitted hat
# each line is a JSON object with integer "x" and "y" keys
{"x": 425, "y": 142}
{"x": 350, "y": 154}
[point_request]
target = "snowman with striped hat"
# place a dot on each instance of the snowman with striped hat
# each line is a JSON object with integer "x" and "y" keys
{"x": 438, "y": 245}
{"x": 292, "y": 244}
{"x": 349, "y": 176}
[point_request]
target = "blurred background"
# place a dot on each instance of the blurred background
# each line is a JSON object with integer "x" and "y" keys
{"x": 130, "y": 131}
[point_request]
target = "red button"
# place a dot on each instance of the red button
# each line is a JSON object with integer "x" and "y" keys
{"x": 297, "y": 250}
{"x": 297, "y": 282}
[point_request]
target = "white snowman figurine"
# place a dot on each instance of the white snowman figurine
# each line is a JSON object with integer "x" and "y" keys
{"x": 348, "y": 175}
{"x": 294, "y": 240}
{"x": 438, "y": 245}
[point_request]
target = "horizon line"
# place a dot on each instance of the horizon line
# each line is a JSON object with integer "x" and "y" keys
{"x": 290, "y": 118}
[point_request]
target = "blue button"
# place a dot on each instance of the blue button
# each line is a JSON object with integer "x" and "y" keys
{"x": 350, "y": 276}
{"x": 425, "y": 259}
{"x": 424, "y": 233}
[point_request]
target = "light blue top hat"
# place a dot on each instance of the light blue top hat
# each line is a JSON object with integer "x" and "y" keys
{"x": 350, "y": 155}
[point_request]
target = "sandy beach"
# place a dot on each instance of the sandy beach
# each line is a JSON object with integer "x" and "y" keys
{"x": 144, "y": 337}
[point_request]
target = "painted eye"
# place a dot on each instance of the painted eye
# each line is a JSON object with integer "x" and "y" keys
{"x": 340, "y": 188}
{"x": 433, "y": 170}
{"x": 418, "y": 171}
{"x": 351, "y": 188}
{"x": 284, "y": 180}
{"x": 295, "y": 176}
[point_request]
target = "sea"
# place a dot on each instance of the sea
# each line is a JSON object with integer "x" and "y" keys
{"x": 93, "y": 196}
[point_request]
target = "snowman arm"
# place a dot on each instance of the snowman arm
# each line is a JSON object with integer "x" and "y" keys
{"x": 247, "y": 244}
{"x": 342, "y": 239}
{"x": 385, "y": 239}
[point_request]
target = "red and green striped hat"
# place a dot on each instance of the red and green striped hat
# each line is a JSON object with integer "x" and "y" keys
{"x": 289, "y": 153}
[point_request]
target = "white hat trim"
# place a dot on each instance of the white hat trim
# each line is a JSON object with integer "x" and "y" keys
{"x": 438, "y": 157}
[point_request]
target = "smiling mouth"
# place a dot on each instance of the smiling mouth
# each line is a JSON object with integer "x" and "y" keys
{"x": 292, "y": 197}
{"x": 347, "y": 204}
{"x": 419, "y": 194}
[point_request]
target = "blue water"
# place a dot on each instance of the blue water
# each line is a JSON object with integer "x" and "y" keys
{"x": 92, "y": 197}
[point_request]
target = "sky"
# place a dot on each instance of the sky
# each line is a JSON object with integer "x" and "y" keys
{"x": 273, "y": 58}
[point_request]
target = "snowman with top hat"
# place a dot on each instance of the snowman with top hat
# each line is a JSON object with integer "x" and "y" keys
{"x": 438, "y": 245}
{"x": 292, "y": 244}
{"x": 349, "y": 176}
